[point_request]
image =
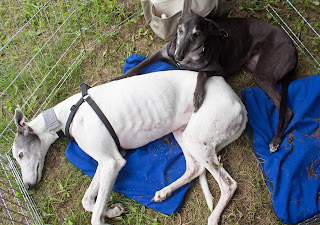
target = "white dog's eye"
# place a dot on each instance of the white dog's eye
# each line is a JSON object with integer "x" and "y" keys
{"x": 20, "y": 155}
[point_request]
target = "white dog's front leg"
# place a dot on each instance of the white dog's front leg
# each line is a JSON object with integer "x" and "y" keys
{"x": 108, "y": 173}
{"x": 193, "y": 170}
{"x": 88, "y": 200}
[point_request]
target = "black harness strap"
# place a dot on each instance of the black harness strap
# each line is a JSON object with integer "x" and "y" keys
{"x": 73, "y": 111}
{"x": 95, "y": 107}
{"x": 60, "y": 134}
{"x": 103, "y": 118}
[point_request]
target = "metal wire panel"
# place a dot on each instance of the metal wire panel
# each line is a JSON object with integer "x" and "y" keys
{"x": 41, "y": 45}
{"x": 300, "y": 26}
{"x": 16, "y": 206}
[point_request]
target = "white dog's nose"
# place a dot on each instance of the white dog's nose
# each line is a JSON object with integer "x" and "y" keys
{"x": 27, "y": 185}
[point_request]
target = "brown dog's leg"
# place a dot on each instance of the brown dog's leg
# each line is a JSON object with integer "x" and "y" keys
{"x": 285, "y": 113}
{"x": 285, "y": 116}
{"x": 277, "y": 63}
{"x": 159, "y": 55}
{"x": 198, "y": 96}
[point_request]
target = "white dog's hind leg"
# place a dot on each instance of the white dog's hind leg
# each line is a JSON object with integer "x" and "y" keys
{"x": 193, "y": 170}
{"x": 227, "y": 186}
{"x": 206, "y": 156}
{"x": 206, "y": 191}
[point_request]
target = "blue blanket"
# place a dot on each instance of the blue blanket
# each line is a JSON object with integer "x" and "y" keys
{"x": 292, "y": 174}
{"x": 149, "y": 168}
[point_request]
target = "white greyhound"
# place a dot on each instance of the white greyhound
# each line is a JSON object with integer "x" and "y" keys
{"x": 142, "y": 109}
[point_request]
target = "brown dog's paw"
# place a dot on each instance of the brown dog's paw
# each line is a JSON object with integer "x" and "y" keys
{"x": 274, "y": 145}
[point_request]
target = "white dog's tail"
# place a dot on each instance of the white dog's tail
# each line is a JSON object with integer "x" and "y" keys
{"x": 205, "y": 188}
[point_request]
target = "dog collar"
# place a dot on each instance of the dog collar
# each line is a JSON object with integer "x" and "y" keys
{"x": 52, "y": 122}
{"x": 197, "y": 51}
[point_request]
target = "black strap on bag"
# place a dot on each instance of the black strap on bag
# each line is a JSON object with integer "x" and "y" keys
{"x": 86, "y": 98}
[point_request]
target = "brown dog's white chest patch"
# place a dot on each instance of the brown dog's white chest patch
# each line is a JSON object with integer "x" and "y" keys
{"x": 194, "y": 57}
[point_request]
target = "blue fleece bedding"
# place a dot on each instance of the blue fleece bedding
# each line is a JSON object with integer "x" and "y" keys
{"x": 292, "y": 173}
{"x": 149, "y": 168}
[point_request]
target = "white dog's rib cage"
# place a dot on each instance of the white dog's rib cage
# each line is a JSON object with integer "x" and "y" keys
{"x": 38, "y": 40}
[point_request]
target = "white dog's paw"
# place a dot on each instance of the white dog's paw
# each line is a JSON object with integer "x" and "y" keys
{"x": 213, "y": 221}
{"x": 88, "y": 204}
{"x": 99, "y": 222}
{"x": 162, "y": 195}
{"x": 114, "y": 211}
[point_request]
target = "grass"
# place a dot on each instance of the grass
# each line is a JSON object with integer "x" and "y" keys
{"x": 59, "y": 193}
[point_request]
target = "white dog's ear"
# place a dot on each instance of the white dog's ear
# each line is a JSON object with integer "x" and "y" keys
{"x": 19, "y": 121}
{"x": 179, "y": 20}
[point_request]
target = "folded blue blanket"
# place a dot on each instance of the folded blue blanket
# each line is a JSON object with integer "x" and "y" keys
{"x": 292, "y": 174}
{"x": 149, "y": 168}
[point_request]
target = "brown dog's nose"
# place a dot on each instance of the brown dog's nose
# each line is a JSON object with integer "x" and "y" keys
{"x": 179, "y": 57}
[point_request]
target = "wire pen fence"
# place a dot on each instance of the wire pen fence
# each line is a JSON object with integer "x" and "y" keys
{"x": 301, "y": 27}
{"x": 42, "y": 44}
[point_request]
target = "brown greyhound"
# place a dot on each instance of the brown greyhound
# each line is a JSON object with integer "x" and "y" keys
{"x": 222, "y": 47}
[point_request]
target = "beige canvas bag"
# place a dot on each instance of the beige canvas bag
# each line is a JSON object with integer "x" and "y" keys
{"x": 162, "y": 16}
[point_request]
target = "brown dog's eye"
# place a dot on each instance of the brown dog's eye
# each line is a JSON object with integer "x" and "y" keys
{"x": 196, "y": 34}
{"x": 20, "y": 155}
{"x": 180, "y": 30}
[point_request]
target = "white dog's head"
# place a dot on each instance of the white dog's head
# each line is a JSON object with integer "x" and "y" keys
{"x": 28, "y": 150}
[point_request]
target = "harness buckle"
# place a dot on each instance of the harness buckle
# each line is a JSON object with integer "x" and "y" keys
{"x": 73, "y": 108}
{"x": 224, "y": 33}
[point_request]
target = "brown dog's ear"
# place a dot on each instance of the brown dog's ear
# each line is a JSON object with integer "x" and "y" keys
{"x": 19, "y": 121}
{"x": 209, "y": 25}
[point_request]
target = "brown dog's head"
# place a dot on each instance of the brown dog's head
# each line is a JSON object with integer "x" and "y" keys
{"x": 192, "y": 32}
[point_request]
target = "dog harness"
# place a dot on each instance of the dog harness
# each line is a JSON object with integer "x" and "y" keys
{"x": 52, "y": 122}
{"x": 218, "y": 32}
{"x": 86, "y": 98}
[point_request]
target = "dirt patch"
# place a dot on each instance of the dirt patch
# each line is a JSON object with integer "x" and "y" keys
{"x": 167, "y": 140}
{"x": 291, "y": 142}
{"x": 312, "y": 171}
{"x": 317, "y": 131}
